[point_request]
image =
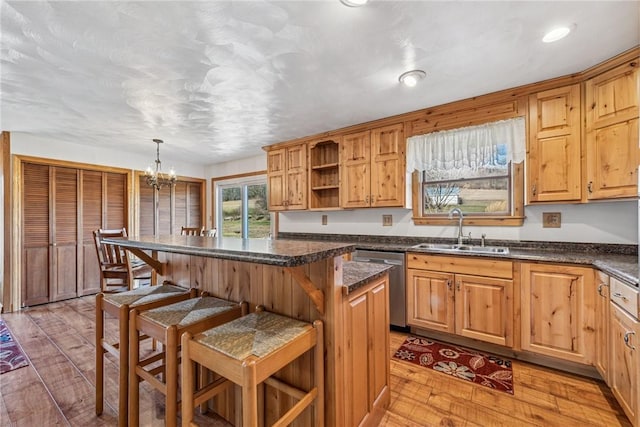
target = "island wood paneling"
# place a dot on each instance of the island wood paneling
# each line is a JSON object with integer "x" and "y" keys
{"x": 271, "y": 286}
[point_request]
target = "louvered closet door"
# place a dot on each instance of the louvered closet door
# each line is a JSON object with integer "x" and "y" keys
{"x": 91, "y": 187}
{"x": 145, "y": 215}
{"x": 35, "y": 234}
{"x": 116, "y": 200}
{"x": 64, "y": 236}
{"x": 187, "y": 205}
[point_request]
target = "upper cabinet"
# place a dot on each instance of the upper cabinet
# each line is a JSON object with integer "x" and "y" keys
{"x": 612, "y": 133}
{"x": 287, "y": 178}
{"x": 324, "y": 174}
{"x": 553, "y": 150}
{"x": 372, "y": 168}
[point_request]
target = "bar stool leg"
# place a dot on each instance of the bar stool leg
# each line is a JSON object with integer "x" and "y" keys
{"x": 188, "y": 385}
{"x": 171, "y": 375}
{"x": 99, "y": 355}
{"x": 134, "y": 358}
{"x": 318, "y": 369}
{"x": 249, "y": 393}
{"x": 123, "y": 395}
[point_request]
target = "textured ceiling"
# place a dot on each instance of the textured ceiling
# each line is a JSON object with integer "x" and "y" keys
{"x": 217, "y": 80}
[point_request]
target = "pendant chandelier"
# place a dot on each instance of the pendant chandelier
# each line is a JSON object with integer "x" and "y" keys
{"x": 156, "y": 178}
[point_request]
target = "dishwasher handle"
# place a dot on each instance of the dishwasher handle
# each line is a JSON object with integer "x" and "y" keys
{"x": 378, "y": 261}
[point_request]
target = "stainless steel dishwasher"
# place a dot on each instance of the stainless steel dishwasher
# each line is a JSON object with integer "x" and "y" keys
{"x": 397, "y": 298}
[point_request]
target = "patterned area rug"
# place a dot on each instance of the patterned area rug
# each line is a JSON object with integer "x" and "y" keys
{"x": 469, "y": 365}
{"x": 11, "y": 355}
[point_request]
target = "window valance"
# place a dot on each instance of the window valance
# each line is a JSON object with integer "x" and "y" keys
{"x": 484, "y": 146}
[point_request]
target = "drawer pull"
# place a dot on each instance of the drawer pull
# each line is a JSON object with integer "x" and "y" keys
{"x": 449, "y": 284}
{"x": 458, "y": 283}
{"x": 626, "y": 339}
{"x": 619, "y": 295}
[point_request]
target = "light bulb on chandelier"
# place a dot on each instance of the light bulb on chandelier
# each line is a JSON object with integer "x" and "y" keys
{"x": 156, "y": 178}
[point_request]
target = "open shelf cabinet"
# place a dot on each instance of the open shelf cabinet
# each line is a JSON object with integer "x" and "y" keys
{"x": 324, "y": 175}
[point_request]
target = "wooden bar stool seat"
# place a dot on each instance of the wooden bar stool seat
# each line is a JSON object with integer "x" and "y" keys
{"x": 118, "y": 306}
{"x": 166, "y": 324}
{"x": 248, "y": 351}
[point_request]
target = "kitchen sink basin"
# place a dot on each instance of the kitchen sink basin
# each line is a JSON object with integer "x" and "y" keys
{"x": 463, "y": 248}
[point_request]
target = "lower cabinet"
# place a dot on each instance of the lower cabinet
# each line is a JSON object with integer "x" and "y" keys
{"x": 558, "y": 311}
{"x": 448, "y": 299}
{"x": 366, "y": 343}
{"x": 624, "y": 377}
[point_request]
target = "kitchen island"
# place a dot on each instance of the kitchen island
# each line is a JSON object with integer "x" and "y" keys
{"x": 303, "y": 280}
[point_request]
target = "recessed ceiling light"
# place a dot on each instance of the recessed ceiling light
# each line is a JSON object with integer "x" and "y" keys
{"x": 411, "y": 78}
{"x": 556, "y": 34}
{"x": 354, "y": 3}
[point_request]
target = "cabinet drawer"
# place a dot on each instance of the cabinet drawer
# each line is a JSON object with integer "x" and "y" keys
{"x": 461, "y": 264}
{"x": 625, "y": 296}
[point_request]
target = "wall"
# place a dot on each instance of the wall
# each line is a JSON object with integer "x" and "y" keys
{"x": 603, "y": 222}
{"x": 30, "y": 145}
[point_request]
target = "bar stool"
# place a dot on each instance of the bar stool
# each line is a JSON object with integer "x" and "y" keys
{"x": 118, "y": 305}
{"x": 247, "y": 352}
{"x": 166, "y": 324}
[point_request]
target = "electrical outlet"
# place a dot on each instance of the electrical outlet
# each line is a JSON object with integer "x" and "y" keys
{"x": 551, "y": 219}
{"x": 324, "y": 220}
{"x": 387, "y": 220}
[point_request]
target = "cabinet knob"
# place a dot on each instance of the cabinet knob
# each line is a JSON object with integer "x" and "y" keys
{"x": 590, "y": 187}
{"x": 458, "y": 285}
{"x": 533, "y": 189}
{"x": 626, "y": 339}
{"x": 449, "y": 284}
{"x": 600, "y": 288}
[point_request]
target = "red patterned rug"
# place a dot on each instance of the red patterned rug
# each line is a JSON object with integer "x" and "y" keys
{"x": 11, "y": 354}
{"x": 469, "y": 365}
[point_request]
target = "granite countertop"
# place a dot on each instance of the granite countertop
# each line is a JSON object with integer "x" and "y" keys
{"x": 285, "y": 253}
{"x": 357, "y": 274}
{"x": 620, "y": 261}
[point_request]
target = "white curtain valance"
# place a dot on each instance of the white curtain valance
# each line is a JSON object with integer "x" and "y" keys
{"x": 488, "y": 145}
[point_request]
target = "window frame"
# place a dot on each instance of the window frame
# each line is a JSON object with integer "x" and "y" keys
{"x": 240, "y": 180}
{"x": 515, "y": 219}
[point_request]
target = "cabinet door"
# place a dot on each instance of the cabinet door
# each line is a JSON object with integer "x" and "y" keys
{"x": 602, "y": 325}
{"x": 378, "y": 341}
{"x": 355, "y": 173}
{"x": 356, "y": 358}
{"x": 612, "y": 133}
{"x": 484, "y": 309}
{"x": 558, "y": 311}
{"x": 277, "y": 195}
{"x": 625, "y": 361}
{"x": 388, "y": 166}
{"x": 296, "y": 177}
{"x": 430, "y": 300}
{"x": 366, "y": 335}
{"x": 553, "y": 160}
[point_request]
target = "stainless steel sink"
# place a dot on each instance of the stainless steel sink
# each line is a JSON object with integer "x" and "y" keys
{"x": 503, "y": 250}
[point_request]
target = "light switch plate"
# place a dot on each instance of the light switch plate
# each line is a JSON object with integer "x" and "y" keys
{"x": 551, "y": 219}
{"x": 387, "y": 220}
{"x": 324, "y": 220}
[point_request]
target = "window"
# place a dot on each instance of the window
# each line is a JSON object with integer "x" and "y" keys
{"x": 242, "y": 208}
{"x": 476, "y": 169}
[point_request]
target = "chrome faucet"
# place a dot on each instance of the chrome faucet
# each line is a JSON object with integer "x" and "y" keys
{"x": 460, "y": 218}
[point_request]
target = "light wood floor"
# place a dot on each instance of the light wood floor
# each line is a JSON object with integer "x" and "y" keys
{"x": 57, "y": 386}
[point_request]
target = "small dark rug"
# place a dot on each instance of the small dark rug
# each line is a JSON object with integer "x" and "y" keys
{"x": 11, "y": 354}
{"x": 460, "y": 362}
